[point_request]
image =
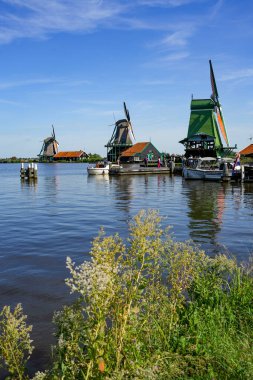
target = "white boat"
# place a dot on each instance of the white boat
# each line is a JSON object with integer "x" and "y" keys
{"x": 100, "y": 168}
{"x": 208, "y": 168}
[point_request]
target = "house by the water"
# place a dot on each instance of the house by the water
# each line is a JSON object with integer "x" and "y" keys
{"x": 248, "y": 151}
{"x": 70, "y": 156}
{"x": 139, "y": 151}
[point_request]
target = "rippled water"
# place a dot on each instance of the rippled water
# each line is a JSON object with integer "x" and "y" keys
{"x": 41, "y": 223}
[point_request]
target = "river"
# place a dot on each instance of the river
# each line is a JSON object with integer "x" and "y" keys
{"x": 57, "y": 216}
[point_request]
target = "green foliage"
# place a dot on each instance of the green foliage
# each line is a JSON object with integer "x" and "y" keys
{"x": 153, "y": 308}
{"x": 94, "y": 157}
{"x": 15, "y": 343}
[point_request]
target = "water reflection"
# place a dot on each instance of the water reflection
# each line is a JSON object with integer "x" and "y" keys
{"x": 123, "y": 192}
{"x": 206, "y": 203}
{"x": 162, "y": 182}
{"x": 29, "y": 183}
{"x": 246, "y": 194}
{"x": 98, "y": 178}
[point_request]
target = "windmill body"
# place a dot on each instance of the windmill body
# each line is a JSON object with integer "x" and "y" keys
{"x": 122, "y": 138}
{"x": 207, "y": 136}
{"x": 49, "y": 148}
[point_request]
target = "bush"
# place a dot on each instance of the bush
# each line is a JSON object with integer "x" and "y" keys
{"x": 15, "y": 343}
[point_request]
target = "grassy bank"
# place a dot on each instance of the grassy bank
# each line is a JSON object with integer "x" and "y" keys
{"x": 147, "y": 308}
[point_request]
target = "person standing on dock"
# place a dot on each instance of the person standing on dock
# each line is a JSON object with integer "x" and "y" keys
{"x": 159, "y": 162}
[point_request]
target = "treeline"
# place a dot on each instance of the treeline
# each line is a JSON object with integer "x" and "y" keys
{"x": 92, "y": 157}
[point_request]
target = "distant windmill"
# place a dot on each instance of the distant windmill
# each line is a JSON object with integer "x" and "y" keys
{"x": 122, "y": 137}
{"x": 49, "y": 147}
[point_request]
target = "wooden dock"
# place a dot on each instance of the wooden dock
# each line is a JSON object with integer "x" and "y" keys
{"x": 30, "y": 172}
{"x": 247, "y": 173}
{"x": 138, "y": 170}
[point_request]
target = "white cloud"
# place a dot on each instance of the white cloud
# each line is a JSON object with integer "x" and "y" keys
{"x": 40, "y": 19}
{"x": 166, "y": 3}
{"x": 29, "y": 82}
{"x": 43, "y": 81}
{"x": 10, "y": 103}
{"x": 175, "y": 57}
{"x": 37, "y": 19}
{"x": 216, "y": 9}
{"x": 157, "y": 82}
{"x": 178, "y": 38}
{"x": 239, "y": 74}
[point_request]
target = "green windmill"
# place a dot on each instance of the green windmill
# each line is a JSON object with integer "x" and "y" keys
{"x": 206, "y": 131}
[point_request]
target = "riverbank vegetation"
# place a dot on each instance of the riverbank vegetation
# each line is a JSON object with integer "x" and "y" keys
{"x": 92, "y": 157}
{"x": 147, "y": 308}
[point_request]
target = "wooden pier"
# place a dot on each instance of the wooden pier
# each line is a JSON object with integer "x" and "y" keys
{"x": 30, "y": 172}
{"x": 138, "y": 170}
{"x": 247, "y": 173}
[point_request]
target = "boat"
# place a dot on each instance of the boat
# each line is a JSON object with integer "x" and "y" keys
{"x": 208, "y": 168}
{"x": 100, "y": 168}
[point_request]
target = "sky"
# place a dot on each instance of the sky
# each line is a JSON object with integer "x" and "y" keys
{"x": 72, "y": 64}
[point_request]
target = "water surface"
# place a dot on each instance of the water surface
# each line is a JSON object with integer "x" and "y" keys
{"x": 57, "y": 216}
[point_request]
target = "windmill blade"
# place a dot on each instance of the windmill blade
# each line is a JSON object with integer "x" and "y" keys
{"x": 113, "y": 134}
{"x": 53, "y": 135}
{"x": 128, "y": 119}
{"x": 213, "y": 83}
{"x": 131, "y": 127}
{"x": 126, "y": 112}
{"x": 221, "y": 124}
{"x": 215, "y": 97}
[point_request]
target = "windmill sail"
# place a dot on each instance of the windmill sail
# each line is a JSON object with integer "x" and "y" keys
{"x": 128, "y": 119}
{"x": 222, "y": 125}
{"x": 215, "y": 97}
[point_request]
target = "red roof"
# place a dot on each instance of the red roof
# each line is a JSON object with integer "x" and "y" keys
{"x": 136, "y": 148}
{"x": 248, "y": 150}
{"x": 73, "y": 154}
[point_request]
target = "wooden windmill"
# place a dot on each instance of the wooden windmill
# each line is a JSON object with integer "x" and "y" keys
{"x": 122, "y": 137}
{"x": 49, "y": 147}
{"x": 207, "y": 134}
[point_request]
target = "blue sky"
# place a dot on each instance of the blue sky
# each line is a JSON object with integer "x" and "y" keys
{"x": 72, "y": 63}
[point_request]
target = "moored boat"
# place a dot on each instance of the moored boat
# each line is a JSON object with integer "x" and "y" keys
{"x": 100, "y": 168}
{"x": 208, "y": 168}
